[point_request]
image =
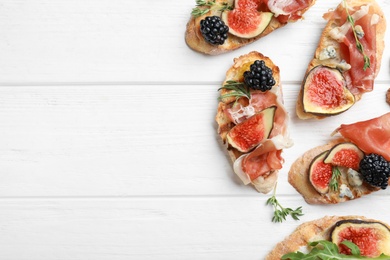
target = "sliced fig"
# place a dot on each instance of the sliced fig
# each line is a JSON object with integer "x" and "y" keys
{"x": 247, "y": 135}
{"x": 346, "y": 155}
{"x": 372, "y": 238}
{"x": 325, "y": 92}
{"x": 245, "y": 21}
{"x": 320, "y": 173}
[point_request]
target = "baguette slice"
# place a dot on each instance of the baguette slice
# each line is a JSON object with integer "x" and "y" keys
{"x": 370, "y": 136}
{"x": 332, "y": 51}
{"x": 311, "y": 231}
{"x": 231, "y": 112}
{"x": 196, "y": 41}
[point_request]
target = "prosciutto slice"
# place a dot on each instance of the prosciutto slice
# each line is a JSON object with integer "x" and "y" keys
{"x": 372, "y": 136}
{"x": 286, "y": 10}
{"x": 359, "y": 80}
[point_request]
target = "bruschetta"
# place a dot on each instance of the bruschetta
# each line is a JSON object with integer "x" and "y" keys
{"x": 219, "y": 26}
{"x": 346, "y": 61}
{"x": 372, "y": 237}
{"x": 355, "y": 163}
{"x": 252, "y": 121}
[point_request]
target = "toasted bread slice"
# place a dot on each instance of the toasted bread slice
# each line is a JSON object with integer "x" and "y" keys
{"x": 330, "y": 51}
{"x": 279, "y": 136}
{"x": 196, "y": 41}
{"x": 311, "y": 231}
{"x": 298, "y": 177}
{"x": 354, "y": 163}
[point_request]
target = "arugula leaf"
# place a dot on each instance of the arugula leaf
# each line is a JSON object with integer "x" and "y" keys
{"x": 326, "y": 250}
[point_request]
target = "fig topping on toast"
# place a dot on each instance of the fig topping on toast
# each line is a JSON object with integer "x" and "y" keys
{"x": 250, "y": 133}
{"x": 372, "y": 238}
{"x": 325, "y": 92}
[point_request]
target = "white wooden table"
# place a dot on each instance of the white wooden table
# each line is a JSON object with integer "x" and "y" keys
{"x": 108, "y": 144}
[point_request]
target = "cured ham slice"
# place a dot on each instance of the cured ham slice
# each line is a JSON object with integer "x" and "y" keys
{"x": 359, "y": 79}
{"x": 372, "y": 136}
{"x": 288, "y": 10}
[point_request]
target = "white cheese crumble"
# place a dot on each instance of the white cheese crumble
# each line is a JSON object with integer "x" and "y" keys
{"x": 354, "y": 178}
{"x": 345, "y": 191}
{"x": 328, "y": 53}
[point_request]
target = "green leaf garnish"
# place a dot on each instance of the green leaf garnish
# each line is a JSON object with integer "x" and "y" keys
{"x": 203, "y": 7}
{"x": 359, "y": 45}
{"x": 280, "y": 213}
{"x": 326, "y": 250}
{"x": 334, "y": 181}
{"x": 238, "y": 90}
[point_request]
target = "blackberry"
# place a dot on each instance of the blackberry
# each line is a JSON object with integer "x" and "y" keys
{"x": 259, "y": 77}
{"x": 375, "y": 170}
{"x": 214, "y": 30}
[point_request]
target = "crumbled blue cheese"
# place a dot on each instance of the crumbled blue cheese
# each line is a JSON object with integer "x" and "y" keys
{"x": 343, "y": 66}
{"x": 328, "y": 53}
{"x": 345, "y": 191}
{"x": 359, "y": 31}
{"x": 354, "y": 178}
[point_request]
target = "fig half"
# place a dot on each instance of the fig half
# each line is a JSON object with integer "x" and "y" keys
{"x": 325, "y": 92}
{"x": 245, "y": 21}
{"x": 346, "y": 155}
{"x": 247, "y": 135}
{"x": 372, "y": 238}
{"x": 320, "y": 173}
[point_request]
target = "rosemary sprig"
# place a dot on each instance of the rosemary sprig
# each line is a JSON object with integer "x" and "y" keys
{"x": 238, "y": 90}
{"x": 280, "y": 213}
{"x": 334, "y": 181}
{"x": 210, "y": 5}
{"x": 359, "y": 45}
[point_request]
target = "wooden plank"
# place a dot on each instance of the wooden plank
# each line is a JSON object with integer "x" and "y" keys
{"x": 163, "y": 228}
{"x": 134, "y": 141}
{"x": 105, "y": 41}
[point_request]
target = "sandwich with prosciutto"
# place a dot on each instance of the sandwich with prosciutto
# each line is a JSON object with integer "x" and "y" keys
{"x": 336, "y": 237}
{"x": 354, "y": 164}
{"x": 252, "y": 121}
{"x": 346, "y": 61}
{"x": 219, "y": 26}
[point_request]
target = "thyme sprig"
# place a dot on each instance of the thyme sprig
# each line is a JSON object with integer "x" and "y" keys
{"x": 280, "y": 213}
{"x": 334, "y": 181}
{"x": 359, "y": 45}
{"x": 238, "y": 90}
{"x": 209, "y": 5}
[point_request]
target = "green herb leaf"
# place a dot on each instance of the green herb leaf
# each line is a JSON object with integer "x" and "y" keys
{"x": 359, "y": 45}
{"x": 334, "y": 181}
{"x": 238, "y": 90}
{"x": 281, "y": 213}
{"x": 326, "y": 250}
{"x": 207, "y": 6}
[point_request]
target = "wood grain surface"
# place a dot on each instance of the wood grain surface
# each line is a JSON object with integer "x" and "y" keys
{"x": 108, "y": 144}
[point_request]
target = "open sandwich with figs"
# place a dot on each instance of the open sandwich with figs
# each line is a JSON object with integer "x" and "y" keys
{"x": 354, "y": 164}
{"x": 219, "y": 26}
{"x": 346, "y": 61}
{"x": 252, "y": 121}
{"x": 336, "y": 237}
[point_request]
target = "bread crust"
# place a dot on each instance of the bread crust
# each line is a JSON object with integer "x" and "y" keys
{"x": 326, "y": 40}
{"x": 311, "y": 231}
{"x": 195, "y": 40}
